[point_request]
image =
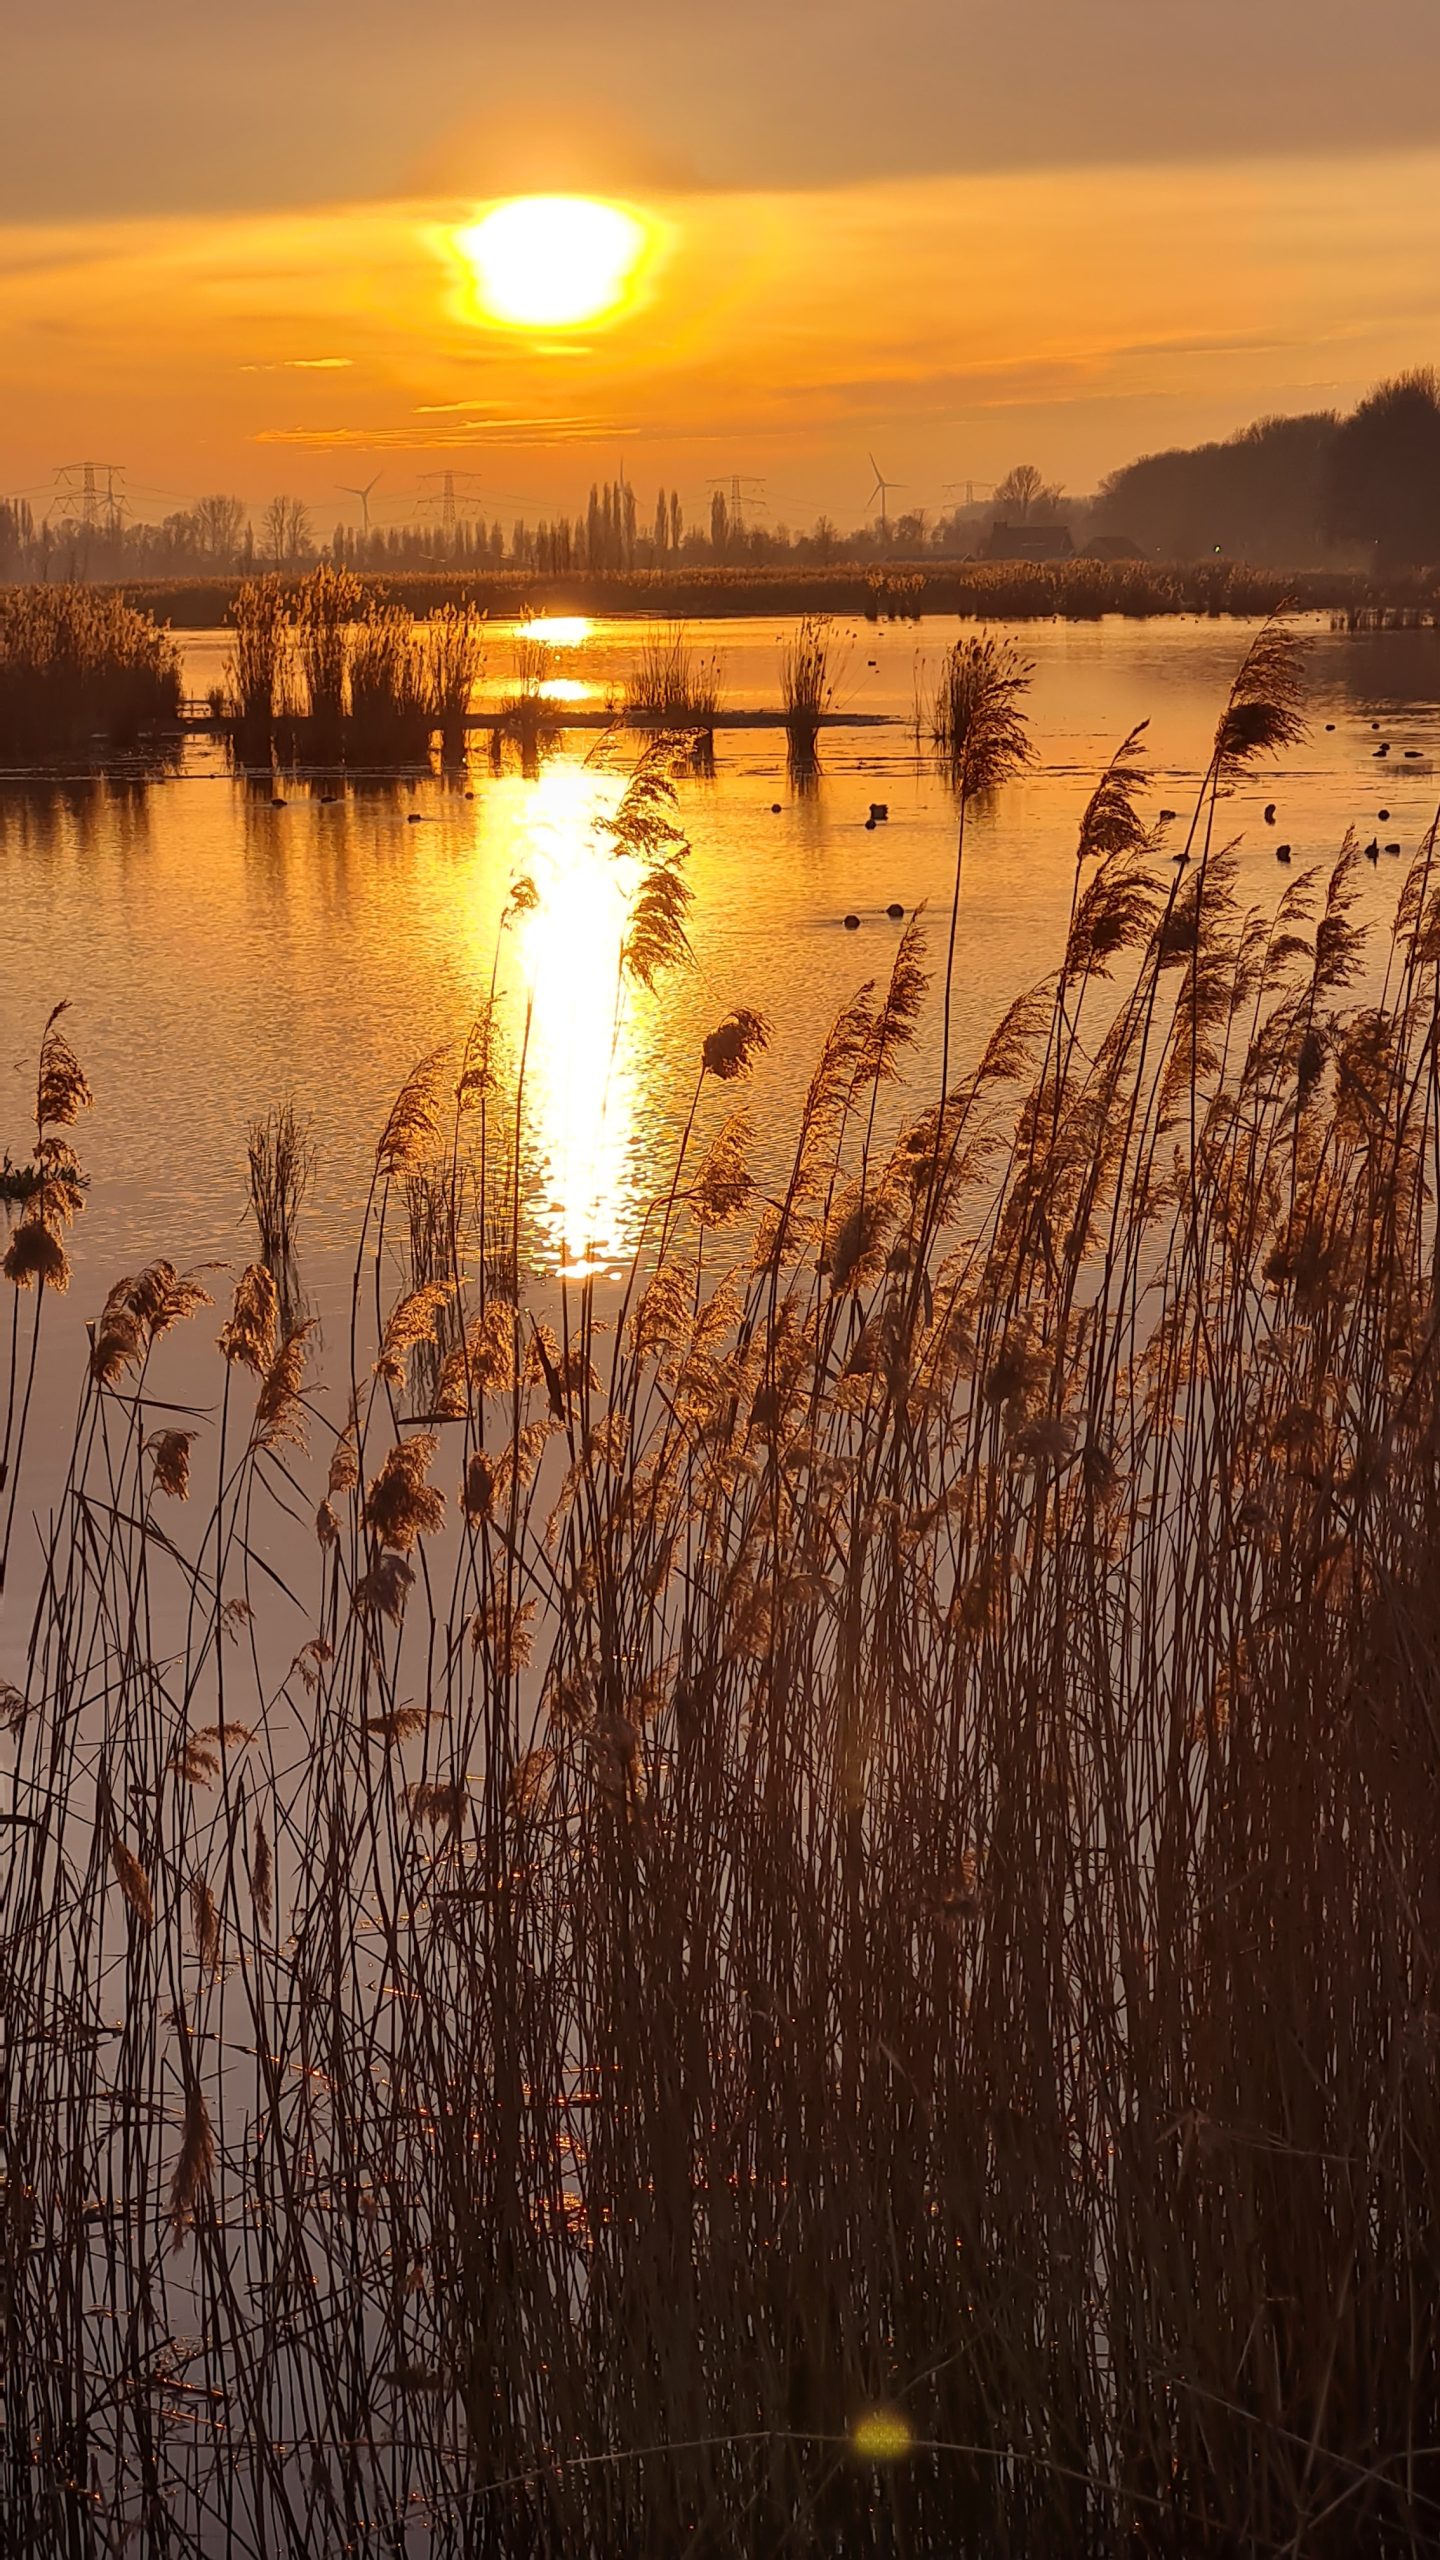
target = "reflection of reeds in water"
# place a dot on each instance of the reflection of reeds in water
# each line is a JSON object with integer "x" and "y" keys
{"x": 844, "y": 1869}
{"x": 672, "y": 682}
{"x": 78, "y": 664}
{"x": 280, "y": 1165}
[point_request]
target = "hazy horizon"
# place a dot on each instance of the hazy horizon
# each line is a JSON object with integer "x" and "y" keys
{"x": 223, "y": 264}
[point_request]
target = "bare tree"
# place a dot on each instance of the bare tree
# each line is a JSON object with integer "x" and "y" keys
{"x": 219, "y": 524}
{"x": 1024, "y": 493}
{"x": 286, "y": 524}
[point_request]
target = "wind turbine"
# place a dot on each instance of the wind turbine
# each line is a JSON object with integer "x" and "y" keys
{"x": 364, "y": 497}
{"x": 881, "y": 490}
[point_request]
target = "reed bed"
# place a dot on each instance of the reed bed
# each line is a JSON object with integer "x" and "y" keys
{"x": 79, "y": 666}
{"x": 673, "y": 683}
{"x": 807, "y": 683}
{"x": 390, "y": 711}
{"x": 454, "y": 665}
{"x": 326, "y": 607}
{"x": 813, "y": 1924}
{"x": 985, "y": 590}
{"x": 331, "y": 670}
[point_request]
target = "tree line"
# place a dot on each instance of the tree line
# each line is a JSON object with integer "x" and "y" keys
{"x": 1314, "y": 491}
{"x": 1303, "y": 492}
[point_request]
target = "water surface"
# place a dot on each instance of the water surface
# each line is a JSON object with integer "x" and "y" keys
{"x": 221, "y": 953}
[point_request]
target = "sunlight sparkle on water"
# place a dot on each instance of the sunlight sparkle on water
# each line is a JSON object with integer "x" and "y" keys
{"x": 557, "y": 630}
{"x": 581, "y": 1056}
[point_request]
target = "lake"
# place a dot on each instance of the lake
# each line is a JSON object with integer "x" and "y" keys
{"x": 221, "y": 953}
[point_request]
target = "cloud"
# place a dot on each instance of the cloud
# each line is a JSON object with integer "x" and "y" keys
{"x": 475, "y": 431}
{"x": 303, "y": 364}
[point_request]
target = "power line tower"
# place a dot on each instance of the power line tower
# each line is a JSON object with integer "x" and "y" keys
{"x": 742, "y": 492}
{"x": 454, "y": 502}
{"x": 87, "y": 496}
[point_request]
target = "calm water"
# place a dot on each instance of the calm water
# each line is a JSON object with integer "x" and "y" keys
{"x": 221, "y": 954}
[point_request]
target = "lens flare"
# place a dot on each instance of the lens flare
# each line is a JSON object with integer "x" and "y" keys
{"x": 547, "y": 262}
{"x": 882, "y": 2435}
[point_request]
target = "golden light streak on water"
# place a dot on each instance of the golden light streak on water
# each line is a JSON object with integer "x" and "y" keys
{"x": 557, "y": 630}
{"x": 583, "y": 1053}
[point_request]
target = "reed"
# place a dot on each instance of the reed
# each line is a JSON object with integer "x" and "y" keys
{"x": 326, "y": 605}
{"x": 79, "y": 666}
{"x": 454, "y": 639}
{"x": 329, "y": 668}
{"x": 807, "y": 683}
{"x": 280, "y": 1164}
{"x": 812, "y": 1924}
{"x": 391, "y": 715}
{"x": 255, "y": 671}
{"x": 671, "y": 683}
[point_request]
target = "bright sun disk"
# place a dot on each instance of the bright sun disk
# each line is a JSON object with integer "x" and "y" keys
{"x": 552, "y": 261}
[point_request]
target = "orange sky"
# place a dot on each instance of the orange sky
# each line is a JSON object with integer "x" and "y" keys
{"x": 954, "y": 321}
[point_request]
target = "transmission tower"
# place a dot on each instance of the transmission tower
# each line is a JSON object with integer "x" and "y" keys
{"x": 87, "y": 495}
{"x": 452, "y": 502}
{"x": 741, "y": 492}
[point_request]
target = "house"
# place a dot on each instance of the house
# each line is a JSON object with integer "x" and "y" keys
{"x": 1112, "y": 546}
{"x": 1027, "y": 542}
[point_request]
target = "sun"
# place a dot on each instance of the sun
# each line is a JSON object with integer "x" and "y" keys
{"x": 548, "y": 262}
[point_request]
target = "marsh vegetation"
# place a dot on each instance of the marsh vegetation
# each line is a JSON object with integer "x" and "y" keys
{"x": 810, "y": 1922}
{"x": 332, "y": 671}
{"x": 80, "y": 666}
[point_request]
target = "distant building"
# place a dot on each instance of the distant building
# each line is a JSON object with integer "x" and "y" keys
{"x": 1112, "y": 546}
{"x": 1027, "y": 542}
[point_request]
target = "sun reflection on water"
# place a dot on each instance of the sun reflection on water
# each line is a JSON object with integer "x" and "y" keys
{"x": 557, "y": 630}
{"x": 582, "y": 1051}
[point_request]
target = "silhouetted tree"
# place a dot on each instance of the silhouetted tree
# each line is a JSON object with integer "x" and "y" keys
{"x": 1383, "y": 482}
{"x": 1024, "y": 493}
{"x": 1258, "y": 497}
{"x": 287, "y": 530}
{"x": 219, "y": 524}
